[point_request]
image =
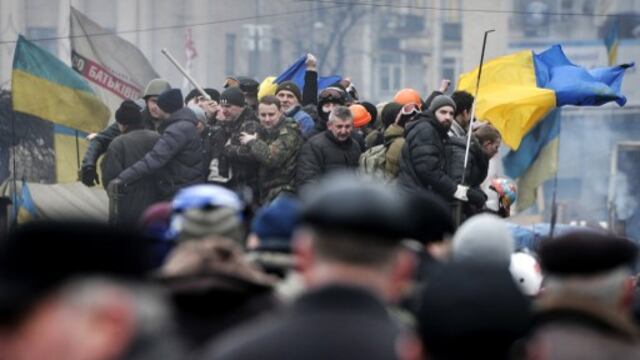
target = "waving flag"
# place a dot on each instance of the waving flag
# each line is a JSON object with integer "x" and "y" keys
{"x": 296, "y": 71}
{"x": 45, "y": 87}
{"x": 519, "y": 90}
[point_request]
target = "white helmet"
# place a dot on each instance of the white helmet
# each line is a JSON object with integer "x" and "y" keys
{"x": 526, "y": 272}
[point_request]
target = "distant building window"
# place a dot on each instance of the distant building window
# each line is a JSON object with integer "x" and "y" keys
{"x": 35, "y": 33}
{"x": 276, "y": 56}
{"x": 390, "y": 78}
{"x": 451, "y": 32}
{"x": 449, "y": 68}
{"x": 230, "y": 54}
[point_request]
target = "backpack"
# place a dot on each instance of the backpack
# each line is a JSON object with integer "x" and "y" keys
{"x": 372, "y": 162}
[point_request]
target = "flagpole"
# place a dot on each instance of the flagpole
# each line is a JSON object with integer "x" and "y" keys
{"x": 166, "y": 53}
{"x": 473, "y": 107}
{"x": 13, "y": 148}
{"x": 554, "y": 204}
{"x": 458, "y": 208}
{"x": 77, "y": 151}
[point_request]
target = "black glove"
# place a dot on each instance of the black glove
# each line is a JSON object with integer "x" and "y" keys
{"x": 89, "y": 176}
{"x": 477, "y": 197}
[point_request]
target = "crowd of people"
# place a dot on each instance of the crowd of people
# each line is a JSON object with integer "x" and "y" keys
{"x": 307, "y": 224}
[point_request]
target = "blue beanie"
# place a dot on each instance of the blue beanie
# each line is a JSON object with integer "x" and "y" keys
{"x": 274, "y": 224}
{"x": 170, "y": 101}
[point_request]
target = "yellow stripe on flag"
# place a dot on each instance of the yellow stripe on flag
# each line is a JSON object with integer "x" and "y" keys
{"x": 60, "y": 104}
{"x": 67, "y": 157}
{"x": 509, "y": 97}
{"x": 542, "y": 169}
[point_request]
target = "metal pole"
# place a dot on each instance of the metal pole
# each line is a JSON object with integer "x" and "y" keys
{"x": 15, "y": 181}
{"x": 473, "y": 106}
{"x": 166, "y": 53}
{"x": 77, "y": 151}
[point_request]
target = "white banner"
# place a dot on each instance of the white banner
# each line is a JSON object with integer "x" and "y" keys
{"x": 114, "y": 67}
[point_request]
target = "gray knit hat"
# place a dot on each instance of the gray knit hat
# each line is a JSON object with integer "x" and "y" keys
{"x": 200, "y": 223}
{"x": 483, "y": 239}
{"x": 440, "y": 101}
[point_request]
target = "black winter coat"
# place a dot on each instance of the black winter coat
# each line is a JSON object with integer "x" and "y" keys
{"x": 477, "y": 169}
{"x": 124, "y": 151}
{"x": 423, "y": 161}
{"x": 99, "y": 144}
{"x": 477, "y": 166}
{"x": 322, "y": 154}
{"x": 176, "y": 158}
{"x": 333, "y": 322}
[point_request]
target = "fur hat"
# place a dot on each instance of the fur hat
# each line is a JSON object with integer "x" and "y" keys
{"x": 585, "y": 252}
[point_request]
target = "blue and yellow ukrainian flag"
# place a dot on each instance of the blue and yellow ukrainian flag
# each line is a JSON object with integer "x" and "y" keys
{"x": 612, "y": 41}
{"x": 517, "y": 91}
{"x": 26, "y": 207}
{"x": 296, "y": 72}
{"x": 536, "y": 160}
{"x": 45, "y": 87}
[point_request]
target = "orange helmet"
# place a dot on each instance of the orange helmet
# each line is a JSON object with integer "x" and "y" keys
{"x": 361, "y": 116}
{"x": 408, "y": 96}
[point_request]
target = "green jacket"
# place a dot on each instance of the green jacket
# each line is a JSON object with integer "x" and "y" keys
{"x": 277, "y": 154}
{"x": 393, "y": 140}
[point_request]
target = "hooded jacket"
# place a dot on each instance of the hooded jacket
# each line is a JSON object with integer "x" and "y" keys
{"x": 176, "y": 158}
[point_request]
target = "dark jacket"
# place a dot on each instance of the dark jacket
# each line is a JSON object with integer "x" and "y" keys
{"x": 423, "y": 162}
{"x": 236, "y": 160}
{"x": 574, "y": 327}
{"x": 324, "y": 153}
{"x": 334, "y": 322}
{"x": 99, "y": 144}
{"x": 277, "y": 154}
{"x": 176, "y": 158}
{"x": 124, "y": 151}
{"x": 477, "y": 169}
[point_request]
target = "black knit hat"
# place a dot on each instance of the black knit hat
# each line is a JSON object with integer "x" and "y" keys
{"x": 213, "y": 94}
{"x": 232, "y": 96}
{"x": 170, "y": 101}
{"x": 290, "y": 86}
{"x": 128, "y": 113}
{"x": 389, "y": 113}
{"x": 585, "y": 252}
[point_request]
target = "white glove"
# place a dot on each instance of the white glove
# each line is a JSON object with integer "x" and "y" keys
{"x": 461, "y": 193}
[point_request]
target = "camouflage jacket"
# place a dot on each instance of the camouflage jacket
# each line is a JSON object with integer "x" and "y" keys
{"x": 277, "y": 153}
{"x": 236, "y": 161}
